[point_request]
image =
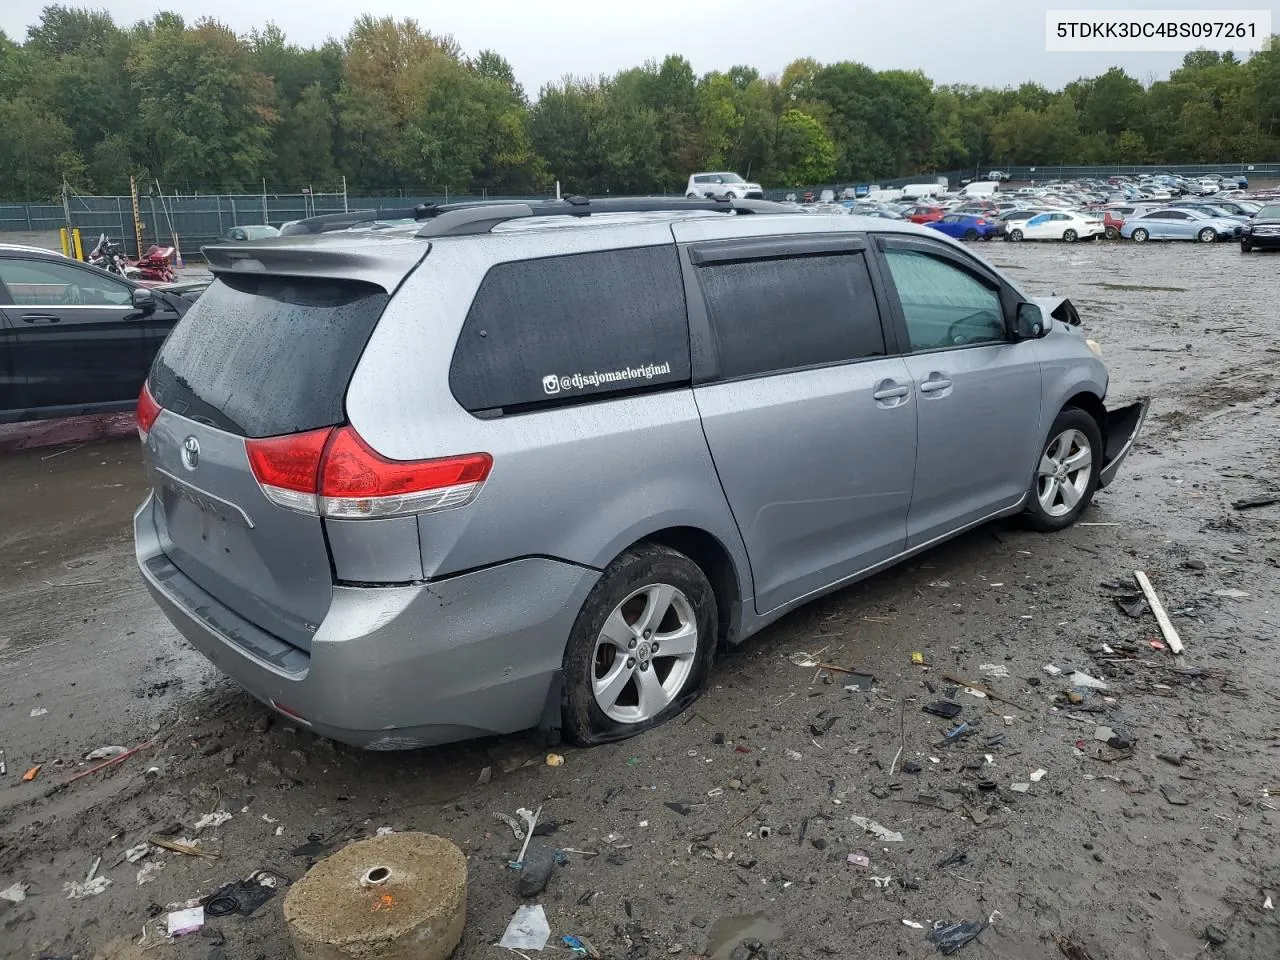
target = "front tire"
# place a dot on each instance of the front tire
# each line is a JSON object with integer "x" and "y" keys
{"x": 1140, "y": 236}
{"x": 1207, "y": 235}
{"x": 1066, "y": 475}
{"x": 1113, "y": 233}
{"x": 1246, "y": 246}
{"x": 1069, "y": 236}
{"x": 731, "y": 195}
{"x": 641, "y": 647}
{"x": 1015, "y": 236}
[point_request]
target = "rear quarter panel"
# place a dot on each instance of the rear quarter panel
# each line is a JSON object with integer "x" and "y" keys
{"x": 578, "y": 483}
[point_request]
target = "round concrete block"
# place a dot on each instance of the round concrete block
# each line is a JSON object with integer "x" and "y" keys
{"x": 398, "y": 897}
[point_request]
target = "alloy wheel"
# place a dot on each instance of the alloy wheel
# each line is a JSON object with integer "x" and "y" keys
{"x": 644, "y": 654}
{"x": 1064, "y": 472}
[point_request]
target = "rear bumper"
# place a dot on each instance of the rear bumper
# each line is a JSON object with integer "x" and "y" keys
{"x": 394, "y": 667}
{"x": 1123, "y": 426}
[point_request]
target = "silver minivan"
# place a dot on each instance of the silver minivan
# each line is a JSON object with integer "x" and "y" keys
{"x": 492, "y": 467}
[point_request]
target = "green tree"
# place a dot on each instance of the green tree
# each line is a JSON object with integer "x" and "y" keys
{"x": 804, "y": 154}
{"x": 34, "y": 164}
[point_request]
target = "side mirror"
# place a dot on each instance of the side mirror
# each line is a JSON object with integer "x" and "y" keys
{"x": 144, "y": 301}
{"x": 1030, "y": 324}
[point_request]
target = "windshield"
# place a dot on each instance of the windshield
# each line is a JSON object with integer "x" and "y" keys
{"x": 1272, "y": 211}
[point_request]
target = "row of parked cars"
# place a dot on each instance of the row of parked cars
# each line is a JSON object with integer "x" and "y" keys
{"x": 1089, "y": 210}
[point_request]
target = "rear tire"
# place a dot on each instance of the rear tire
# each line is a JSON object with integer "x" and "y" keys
{"x": 1069, "y": 236}
{"x": 1140, "y": 236}
{"x": 731, "y": 195}
{"x": 1113, "y": 233}
{"x": 1207, "y": 235}
{"x": 616, "y": 684}
{"x": 971, "y": 234}
{"x": 691, "y": 196}
{"x": 1065, "y": 477}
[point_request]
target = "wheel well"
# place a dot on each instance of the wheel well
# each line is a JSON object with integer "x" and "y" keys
{"x": 1092, "y": 406}
{"x": 709, "y": 554}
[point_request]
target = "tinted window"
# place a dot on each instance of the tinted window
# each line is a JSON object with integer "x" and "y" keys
{"x": 264, "y": 356}
{"x": 771, "y": 315}
{"x": 944, "y": 306}
{"x": 570, "y": 327}
{"x": 47, "y": 283}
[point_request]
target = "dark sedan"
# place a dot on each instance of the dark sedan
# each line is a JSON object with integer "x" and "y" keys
{"x": 1262, "y": 231}
{"x": 74, "y": 339}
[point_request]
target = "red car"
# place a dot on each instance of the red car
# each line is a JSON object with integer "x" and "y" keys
{"x": 925, "y": 214}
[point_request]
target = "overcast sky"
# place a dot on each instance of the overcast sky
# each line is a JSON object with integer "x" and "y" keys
{"x": 986, "y": 42}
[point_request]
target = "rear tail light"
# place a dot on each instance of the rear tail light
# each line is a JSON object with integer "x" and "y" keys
{"x": 334, "y": 473}
{"x": 147, "y": 412}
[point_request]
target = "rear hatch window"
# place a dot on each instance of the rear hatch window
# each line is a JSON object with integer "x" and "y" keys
{"x": 263, "y": 356}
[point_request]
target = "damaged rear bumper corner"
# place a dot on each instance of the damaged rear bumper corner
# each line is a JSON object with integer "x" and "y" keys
{"x": 1123, "y": 426}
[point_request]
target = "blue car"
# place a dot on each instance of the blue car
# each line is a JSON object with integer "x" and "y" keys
{"x": 963, "y": 226}
{"x": 1172, "y": 223}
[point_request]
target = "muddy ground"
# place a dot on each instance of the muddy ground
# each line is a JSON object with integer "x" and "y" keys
{"x": 1129, "y": 852}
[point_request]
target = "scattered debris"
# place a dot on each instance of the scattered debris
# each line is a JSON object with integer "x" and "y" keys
{"x": 580, "y": 946}
{"x": 243, "y": 897}
{"x": 531, "y": 822}
{"x": 1019, "y": 787}
{"x": 1231, "y": 593}
{"x": 3, "y": 768}
{"x": 1214, "y": 935}
{"x": 38, "y": 711}
{"x": 186, "y": 849}
{"x": 981, "y": 689}
{"x": 912, "y": 923}
{"x": 1166, "y": 627}
{"x": 136, "y": 853}
{"x": 149, "y": 871}
{"x": 14, "y": 894}
{"x": 943, "y": 708}
{"x": 212, "y": 820}
{"x": 858, "y": 859}
{"x": 950, "y": 937}
{"x": 997, "y": 670}
{"x": 794, "y": 755}
{"x": 78, "y": 890}
{"x": 917, "y": 658}
{"x": 119, "y": 758}
{"x": 535, "y": 870}
{"x": 1052, "y": 671}
{"x": 1081, "y": 680}
{"x": 1251, "y": 503}
{"x": 186, "y": 921}
{"x": 1038, "y": 775}
{"x": 485, "y": 776}
{"x": 527, "y": 930}
{"x": 958, "y": 730}
{"x": 1267, "y": 904}
{"x": 32, "y": 773}
{"x": 956, "y": 858}
{"x": 105, "y": 753}
{"x": 1131, "y": 604}
{"x": 860, "y": 683}
{"x": 555, "y": 760}
{"x": 516, "y": 827}
{"x": 882, "y": 882}
{"x": 881, "y": 832}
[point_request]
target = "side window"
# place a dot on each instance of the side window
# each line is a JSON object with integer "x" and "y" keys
{"x": 1176, "y": 215}
{"x": 573, "y": 327}
{"x": 944, "y": 306}
{"x": 775, "y": 315}
{"x": 42, "y": 283}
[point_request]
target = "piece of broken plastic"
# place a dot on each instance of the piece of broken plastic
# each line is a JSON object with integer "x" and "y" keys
{"x": 77, "y": 890}
{"x": 881, "y": 832}
{"x": 105, "y": 753}
{"x": 185, "y": 921}
{"x": 1078, "y": 679}
{"x": 14, "y": 894}
{"x": 212, "y": 820}
{"x": 528, "y": 929}
{"x": 858, "y": 860}
{"x": 950, "y": 937}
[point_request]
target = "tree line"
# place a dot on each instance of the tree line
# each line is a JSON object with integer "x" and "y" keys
{"x": 392, "y": 106}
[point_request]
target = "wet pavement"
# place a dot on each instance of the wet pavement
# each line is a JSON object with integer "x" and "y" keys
{"x": 1130, "y": 848}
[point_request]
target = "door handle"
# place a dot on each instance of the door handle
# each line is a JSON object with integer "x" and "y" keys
{"x": 933, "y": 386}
{"x": 891, "y": 393}
{"x": 40, "y": 318}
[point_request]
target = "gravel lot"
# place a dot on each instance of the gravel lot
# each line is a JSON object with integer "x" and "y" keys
{"x": 1127, "y": 852}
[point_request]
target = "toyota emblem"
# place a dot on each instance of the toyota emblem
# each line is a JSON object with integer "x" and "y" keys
{"x": 191, "y": 453}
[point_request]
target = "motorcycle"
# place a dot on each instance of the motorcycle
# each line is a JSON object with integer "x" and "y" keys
{"x": 110, "y": 257}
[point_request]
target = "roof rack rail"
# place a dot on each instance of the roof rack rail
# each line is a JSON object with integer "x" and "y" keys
{"x": 326, "y": 222}
{"x": 454, "y": 220}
